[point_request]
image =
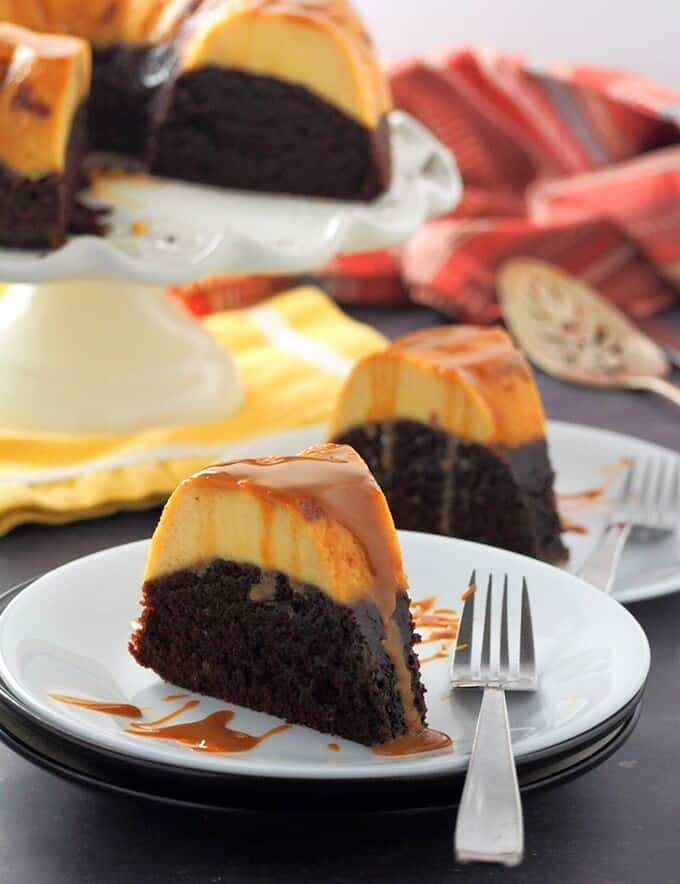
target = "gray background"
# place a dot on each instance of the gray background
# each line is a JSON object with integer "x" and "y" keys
{"x": 628, "y": 34}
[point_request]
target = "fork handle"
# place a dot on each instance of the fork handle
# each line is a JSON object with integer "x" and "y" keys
{"x": 601, "y": 567}
{"x": 489, "y": 827}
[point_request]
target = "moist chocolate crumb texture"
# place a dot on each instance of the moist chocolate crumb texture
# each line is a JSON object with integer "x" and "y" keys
{"x": 450, "y": 422}
{"x": 273, "y": 95}
{"x": 277, "y": 584}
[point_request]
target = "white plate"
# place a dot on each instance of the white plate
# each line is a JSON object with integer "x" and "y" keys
{"x": 67, "y": 633}
{"x": 587, "y": 458}
{"x": 197, "y": 231}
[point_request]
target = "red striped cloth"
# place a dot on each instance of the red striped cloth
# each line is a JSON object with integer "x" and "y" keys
{"x": 576, "y": 165}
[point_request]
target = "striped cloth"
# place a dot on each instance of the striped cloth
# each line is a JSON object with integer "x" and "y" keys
{"x": 579, "y": 166}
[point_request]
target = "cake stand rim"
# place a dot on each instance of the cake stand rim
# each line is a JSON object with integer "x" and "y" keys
{"x": 427, "y": 184}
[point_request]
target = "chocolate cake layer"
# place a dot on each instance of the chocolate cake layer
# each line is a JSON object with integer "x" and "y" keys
{"x": 435, "y": 483}
{"x": 238, "y": 130}
{"x": 36, "y": 214}
{"x": 125, "y": 80}
{"x": 257, "y": 639}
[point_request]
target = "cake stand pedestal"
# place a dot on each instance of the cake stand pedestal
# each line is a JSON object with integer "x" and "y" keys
{"x": 91, "y": 343}
{"x": 101, "y": 356}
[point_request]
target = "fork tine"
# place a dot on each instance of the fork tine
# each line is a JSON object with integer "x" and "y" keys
{"x": 659, "y": 509}
{"x": 504, "y": 660}
{"x": 527, "y": 654}
{"x": 644, "y": 491}
{"x": 675, "y": 490}
{"x": 485, "y": 662}
{"x": 628, "y": 482}
{"x": 462, "y": 659}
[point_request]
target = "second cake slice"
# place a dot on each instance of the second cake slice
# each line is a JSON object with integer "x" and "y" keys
{"x": 450, "y": 422}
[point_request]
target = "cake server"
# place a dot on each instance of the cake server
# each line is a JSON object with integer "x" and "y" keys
{"x": 572, "y": 333}
{"x": 490, "y": 827}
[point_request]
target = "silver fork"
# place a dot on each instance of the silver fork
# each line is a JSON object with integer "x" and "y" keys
{"x": 648, "y": 506}
{"x": 489, "y": 827}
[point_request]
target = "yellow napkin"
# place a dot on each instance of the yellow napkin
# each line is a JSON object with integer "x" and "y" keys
{"x": 293, "y": 353}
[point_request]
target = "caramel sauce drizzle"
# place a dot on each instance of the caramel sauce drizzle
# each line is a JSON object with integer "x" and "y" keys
{"x": 209, "y": 735}
{"x": 577, "y": 501}
{"x": 327, "y": 481}
{"x": 441, "y": 654}
{"x": 441, "y": 623}
{"x": 122, "y": 710}
{"x": 212, "y": 736}
{"x": 172, "y": 698}
{"x": 568, "y": 527}
{"x": 582, "y": 496}
{"x": 191, "y": 704}
{"x": 471, "y": 590}
{"x": 413, "y": 744}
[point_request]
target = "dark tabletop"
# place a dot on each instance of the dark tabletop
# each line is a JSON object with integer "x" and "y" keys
{"x": 619, "y": 823}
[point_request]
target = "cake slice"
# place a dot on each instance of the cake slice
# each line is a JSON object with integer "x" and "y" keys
{"x": 277, "y": 584}
{"x": 131, "y": 45}
{"x": 44, "y": 84}
{"x": 450, "y": 422}
{"x": 279, "y": 96}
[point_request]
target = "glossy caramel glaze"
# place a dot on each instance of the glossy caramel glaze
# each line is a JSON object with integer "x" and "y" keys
{"x": 425, "y": 740}
{"x": 318, "y": 517}
{"x": 209, "y": 735}
{"x": 334, "y": 57}
{"x": 102, "y": 22}
{"x": 434, "y": 625}
{"x": 467, "y": 380}
{"x": 324, "y": 482}
{"x": 43, "y": 81}
{"x": 120, "y": 710}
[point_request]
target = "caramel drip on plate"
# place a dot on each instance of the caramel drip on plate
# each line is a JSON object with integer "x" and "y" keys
{"x": 441, "y": 623}
{"x": 210, "y": 734}
{"x": 568, "y": 527}
{"x": 172, "y": 698}
{"x": 333, "y": 747}
{"x": 191, "y": 704}
{"x": 425, "y": 740}
{"x": 582, "y": 496}
{"x": 123, "y": 710}
{"x": 441, "y": 654}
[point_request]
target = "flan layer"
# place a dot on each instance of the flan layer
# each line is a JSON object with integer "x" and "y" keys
{"x": 322, "y": 47}
{"x": 102, "y": 22}
{"x": 319, "y": 518}
{"x": 44, "y": 79}
{"x": 468, "y": 381}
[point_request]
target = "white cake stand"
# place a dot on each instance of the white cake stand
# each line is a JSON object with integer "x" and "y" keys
{"x": 91, "y": 343}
